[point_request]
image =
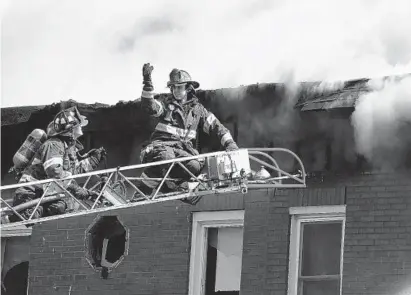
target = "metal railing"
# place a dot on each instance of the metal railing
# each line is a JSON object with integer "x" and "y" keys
{"x": 116, "y": 190}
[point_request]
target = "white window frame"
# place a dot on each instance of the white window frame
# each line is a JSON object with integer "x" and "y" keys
{"x": 17, "y": 231}
{"x": 199, "y": 240}
{"x": 310, "y": 214}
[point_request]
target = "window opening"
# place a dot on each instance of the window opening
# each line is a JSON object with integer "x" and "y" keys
{"x": 16, "y": 280}
{"x": 216, "y": 252}
{"x": 106, "y": 243}
{"x": 316, "y": 250}
{"x": 224, "y": 259}
{"x": 320, "y": 258}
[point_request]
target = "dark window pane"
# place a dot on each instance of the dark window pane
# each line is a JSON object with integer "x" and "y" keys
{"x": 321, "y": 287}
{"x": 321, "y": 248}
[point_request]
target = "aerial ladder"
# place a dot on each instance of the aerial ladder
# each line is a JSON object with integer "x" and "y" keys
{"x": 238, "y": 171}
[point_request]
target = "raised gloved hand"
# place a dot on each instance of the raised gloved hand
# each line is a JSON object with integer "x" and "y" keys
{"x": 96, "y": 155}
{"x": 148, "y": 83}
{"x": 232, "y": 146}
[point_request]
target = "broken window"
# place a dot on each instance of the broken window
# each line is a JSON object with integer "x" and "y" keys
{"x": 16, "y": 280}
{"x": 216, "y": 252}
{"x": 316, "y": 255}
{"x": 106, "y": 243}
{"x": 224, "y": 258}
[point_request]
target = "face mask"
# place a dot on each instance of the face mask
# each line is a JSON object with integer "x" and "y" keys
{"x": 179, "y": 91}
{"x": 77, "y": 132}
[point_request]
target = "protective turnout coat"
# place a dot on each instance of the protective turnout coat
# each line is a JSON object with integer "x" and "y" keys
{"x": 176, "y": 135}
{"x": 54, "y": 159}
{"x": 183, "y": 122}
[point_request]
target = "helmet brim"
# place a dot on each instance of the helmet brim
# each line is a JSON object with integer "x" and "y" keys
{"x": 79, "y": 119}
{"x": 52, "y": 132}
{"x": 194, "y": 83}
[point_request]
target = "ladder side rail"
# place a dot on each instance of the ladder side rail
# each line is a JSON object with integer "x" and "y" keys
{"x": 122, "y": 206}
{"x": 276, "y": 169}
{"x": 139, "y": 166}
{"x": 70, "y": 194}
{"x": 192, "y": 175}
{"x": 12, "y": 209}
{"x": 87, "y": 181}
{"x": 106, "y": 171}
{"x": 162, "y": 181}
{"x": 102, "y": 190}
{"x": 127, "y": 179}
{"x": 282, "y": 186}
{"x": 275, "y": 163}
{"x": 39, "y": 201}
{"x": 181, "y": 195}
{"x": 45, "y": 197}
{"x": 32, "y": 203}
{"x": 303, "y": 173}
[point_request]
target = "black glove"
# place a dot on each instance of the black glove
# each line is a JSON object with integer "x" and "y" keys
{"x": 232, "y": 146}
{"x": 92, "y": 196}
{"x": 148, "y": 83}
{"x": 96, "y": 155}
{"x": 80, "y": 192}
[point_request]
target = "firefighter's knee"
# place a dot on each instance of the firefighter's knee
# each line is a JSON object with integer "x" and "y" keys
{"x": 22, "y": 196}
{"x": 163, "y": 153}
{"x": 194, "y": 166}
{"x": 56, "y": 208}
{"x": 39, "y": 212}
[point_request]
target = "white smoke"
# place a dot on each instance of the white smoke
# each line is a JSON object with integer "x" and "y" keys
{"x": 382, "y": 123}
{"x": 93, "y": 50}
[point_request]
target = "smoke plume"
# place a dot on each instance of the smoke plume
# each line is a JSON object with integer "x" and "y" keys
{"x": 94, "y": 50}
{"x": 382, "y": 123}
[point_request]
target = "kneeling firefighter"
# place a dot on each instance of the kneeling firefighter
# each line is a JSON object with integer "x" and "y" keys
{"x": 58, "y": 157}
{"x": 181, "y": 118}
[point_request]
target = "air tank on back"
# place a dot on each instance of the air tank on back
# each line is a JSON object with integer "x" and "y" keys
{"x": 28, "y": 149}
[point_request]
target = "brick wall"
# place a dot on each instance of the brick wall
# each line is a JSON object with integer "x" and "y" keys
{"x": 377, "y": 258}
{"x": 158, "y": 260}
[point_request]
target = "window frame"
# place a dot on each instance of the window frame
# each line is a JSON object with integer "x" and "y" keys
{"x": 88, "y": 245}
{"x": 198, "y": 257}
{"x": 311, "y": 214}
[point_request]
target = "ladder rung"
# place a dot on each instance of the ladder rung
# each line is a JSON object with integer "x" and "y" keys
{"x": 113, "y": 193}
{"x": 124, "y": 206}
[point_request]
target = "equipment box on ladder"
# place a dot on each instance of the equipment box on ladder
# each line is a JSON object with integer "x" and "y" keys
{"x": 232, "y": 165}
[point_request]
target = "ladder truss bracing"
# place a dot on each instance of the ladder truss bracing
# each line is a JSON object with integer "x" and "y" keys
{"x": 117, "y": 188}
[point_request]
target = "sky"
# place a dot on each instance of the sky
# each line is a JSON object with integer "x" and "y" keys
{"x": 94, "y": 50}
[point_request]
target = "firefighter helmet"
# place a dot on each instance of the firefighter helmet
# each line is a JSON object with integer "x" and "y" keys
{"x": 65, "y": 121}
{"x": 180, "y": 76}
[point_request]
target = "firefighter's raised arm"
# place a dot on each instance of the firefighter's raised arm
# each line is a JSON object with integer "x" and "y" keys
{"x": 213, "y": 127}
{"x": 152, "y": 106}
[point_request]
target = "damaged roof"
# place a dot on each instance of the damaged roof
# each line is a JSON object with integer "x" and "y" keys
{"x": 16, "y": 115}
{"x": 313, "y": 96}
{"x": 319, "y": 96}
{"x": 316, "y": 96}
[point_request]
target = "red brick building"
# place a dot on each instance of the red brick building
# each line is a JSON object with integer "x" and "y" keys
{"x": 348, "y": 232}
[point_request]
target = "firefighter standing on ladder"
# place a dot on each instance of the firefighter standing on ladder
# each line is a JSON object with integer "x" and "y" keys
{"x": 181, "y": 118}
{"x": 57, "y": 158}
